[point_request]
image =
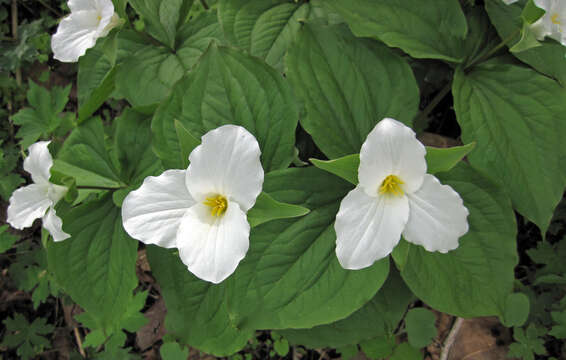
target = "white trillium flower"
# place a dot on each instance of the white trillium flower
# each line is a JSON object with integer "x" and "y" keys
{"x": 89, "y": 20}
{"x": 396, "y": 196}
{"x": 38, "y": 199}
{"x": 553, "y": 22}
{"x": 202, "y": 210}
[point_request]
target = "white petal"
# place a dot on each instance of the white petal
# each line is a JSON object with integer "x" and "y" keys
{"x": 212, "y": 247}
{"x": 152, "y": 213}
{"x": 76, "y": 33}
{"x": 56, "y": 192}
{"x": 508, "y": 2}
{"x": 226, "y": 163}
{"x": 54, "y": 224}
{"x": 27, "y": 204}
{"x": 391, "y": 148}
{"x": 437, "y": 216}
{"x": 39, "y": 162}
{"x": 368, "y": 228}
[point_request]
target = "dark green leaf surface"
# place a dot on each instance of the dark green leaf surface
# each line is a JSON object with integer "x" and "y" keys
{"x": 475, "y": 279}
{"x": 422, "y": 28}
{"x": 518, "y": 119}
{"x": 290, "y": 277}
{"x": 267, "y": 208}
{"x": 421, "y": 328}
{"x": 228, "y": 87}
{"x": 348, "y": 85}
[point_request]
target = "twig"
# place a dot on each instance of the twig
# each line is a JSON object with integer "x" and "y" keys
{"x": 79, "y": 341}
{"x": 204, "y": 4}
{"x": 451, "y": 338}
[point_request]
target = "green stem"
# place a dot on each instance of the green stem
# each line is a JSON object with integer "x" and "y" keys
{"x": 204, "y": 4}
{"x": 423, "y": 116}
{"x": 493, "y": 51}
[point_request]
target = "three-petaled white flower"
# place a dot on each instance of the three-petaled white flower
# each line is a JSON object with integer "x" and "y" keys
{"x": 89, "y": 20}
{"x": 553, "y": 22}
{"x": 37, "y": 200}
{"x": 396, "y": 196}
{"x": 202, "y": 210}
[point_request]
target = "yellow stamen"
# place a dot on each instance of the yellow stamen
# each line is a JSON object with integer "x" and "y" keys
{"x": 391, "y": 185}
{"x": 555, "y": 20}
{"x": 218, "y": 205}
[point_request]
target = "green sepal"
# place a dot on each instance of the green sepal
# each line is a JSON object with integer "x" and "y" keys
{"x": 345, "y": 167}
{"x": 69, "y": 182}
{"x": 527, "y": 41}
{"x": 187, "y": 142}
{"x": 531, "y": 12}
{"x": 267, "y": 208}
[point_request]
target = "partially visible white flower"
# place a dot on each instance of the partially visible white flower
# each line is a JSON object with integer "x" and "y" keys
{"x": 202, "y": 210}
{"x": 38, "y": 199}
{"x": 89, "y": 20}
{"x": 509, "y": 2}
{"x": 396, "y": 196}
{"x": 553, "y": 22}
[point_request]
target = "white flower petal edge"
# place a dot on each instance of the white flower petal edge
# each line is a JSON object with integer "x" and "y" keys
{"x": 394, "y": 196}
{"x": 378, "y": 226}
{"x": 437, "y": 216}
{"x": 228, "y": 163}
{"x": 202, "y": 210}
{"x": 38, "y": 200}
{"x": 78, "y": 32}
{"x": 553, "y": 23}
{"x": 212, "y": 247}
{"x": 509, "y": 2}
{"x": 152, "y": 214}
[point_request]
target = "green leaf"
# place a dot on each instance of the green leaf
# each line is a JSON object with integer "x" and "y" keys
{"x": 345, "y": 167}
{"x": 26, "y": 337}
{"x": 475, "y": 279}
{"x": 163, "y": 18}
{"x": 421, "y": 329}
{"x": 133, "y": 148}
{"x": 378, "y": 318}
{"x": 404, "y": 351}
{"x": 263, "y": 28}
{"x": 196, "y": 310}
{"x": 422, "y": 28}
{"x": 531, "y": 12}
{"x": 379, "y": 348}
{"x": 530, "y": 161}
{"x": 547, "y": 58}
{"x": 348, "y": 352}
{"x": 9, "y": 183}
{"x": 527, "y": 41}
{"x": 347, "y": 85}
{"x": 266, "y": 209}
{"x": 281, "y": 346}
{"x": 43, "y": 118}
{"x": 291, "y": 268}
{"x": 148, "y": 71}
{"x": 229, "y": 87}
{"x": 96, "y": 268}
{"x": 187, "y": 143}
{"x": 84, "y": 156}
{"x": 516, "y": 311}
{"x": 444, "y": 159}
{"x": 559, "y": 329}
{"x": 7, "y": 240}
{"x": 173, "y": 351}
{"x": 528, "y": 343}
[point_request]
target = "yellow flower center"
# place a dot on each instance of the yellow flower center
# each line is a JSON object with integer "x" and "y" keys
{"x": 555, "y": 20}
{"x": 218, "y": 205}
{"x": 392, "y": 186}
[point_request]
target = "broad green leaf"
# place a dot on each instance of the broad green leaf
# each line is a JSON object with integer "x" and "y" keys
{"x": 267, "y": 208}
{"x": 96, "y": 268}
{"x": 422, "y": 28}
{"x": 44, "y": 116}
{"x": 148, "y": 70}
{"x": 196, "y": 310}
{"x": 187, "y": 142}
{"x": 511, "y": 112}
{"x": 378, "y": 318}
{"x": 404, "y": 351}
{"x": 528, "y": 343}
{"x": 163, "y": 17}
{"x": 378, "y": 348}
{"x": 549, "y": 58}
{"x": 84, "y": 156}
{"x": 7, "y": 240}
{"x": 96, "y": 76}
{"x": 348, "y": 85}
{"x": 290, "y": 277}
{"x": 516, "y": 310}
{"x": 132, "y": 140}
{"x": 559, "y": 329}
{"x": 421, "y": 329}
{"x": 444, "y": 159}
{"x": 173, "y": 351}
{"x": 531, "y": 12}
{"x": 263, "y": 28}
{"x": 437, "y": 159}
{"x": 475, "y": 279}
{"x": 29, "y": 339}
{"x": 229, "y": 87}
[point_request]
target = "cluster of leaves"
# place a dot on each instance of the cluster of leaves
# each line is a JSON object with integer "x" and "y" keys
{"x": 181, "y": 70}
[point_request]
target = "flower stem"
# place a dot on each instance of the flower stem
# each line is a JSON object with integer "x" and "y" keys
{"x": 423, "y": 116}
{"x": 493, "y": 51}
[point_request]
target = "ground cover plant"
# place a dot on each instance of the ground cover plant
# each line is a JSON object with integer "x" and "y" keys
{"x": 282, "y": 179}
